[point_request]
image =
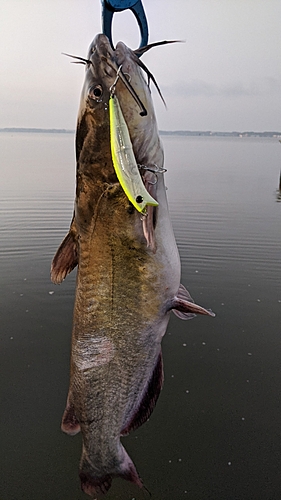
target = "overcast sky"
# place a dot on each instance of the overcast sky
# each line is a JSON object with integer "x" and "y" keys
{"x": 225, "y": 77}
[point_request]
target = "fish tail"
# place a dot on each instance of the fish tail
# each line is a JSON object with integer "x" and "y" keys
{"x": 93, "y": 483}
{"x": 93, "y": 486}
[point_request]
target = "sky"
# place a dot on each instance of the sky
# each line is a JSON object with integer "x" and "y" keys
{"x": 226, "y": 76}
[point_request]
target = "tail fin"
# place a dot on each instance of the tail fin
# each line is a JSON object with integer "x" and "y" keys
{"x": 94, "y": 484}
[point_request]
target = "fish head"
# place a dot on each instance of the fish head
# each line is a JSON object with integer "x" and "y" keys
{"x": 93, "y": 114}
{"x": 116, "y": 71}
{"x": 101, "y": 79}
{"x": 98, "y": 78}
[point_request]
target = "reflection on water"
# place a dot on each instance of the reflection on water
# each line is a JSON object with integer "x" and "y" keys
{"x": 278, "y": 192}
{"x": 215, "y": 432}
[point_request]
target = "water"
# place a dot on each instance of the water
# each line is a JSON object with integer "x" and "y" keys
{"x": 215, "y": 432}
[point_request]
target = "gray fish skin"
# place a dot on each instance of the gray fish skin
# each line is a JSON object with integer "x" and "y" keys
{"x": 126, "y": 284}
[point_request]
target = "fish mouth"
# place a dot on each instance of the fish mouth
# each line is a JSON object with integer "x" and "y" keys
{"x": 111, "y": 62}
{"x": 101, "y": 45}
{"x": 105, "y": 63}
{"x": 101, "y": 54}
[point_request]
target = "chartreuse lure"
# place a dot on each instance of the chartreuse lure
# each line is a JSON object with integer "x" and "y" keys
{"x": 124, "y": 161}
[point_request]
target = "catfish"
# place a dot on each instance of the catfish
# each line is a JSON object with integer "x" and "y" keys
{"x": 128, "y": 276}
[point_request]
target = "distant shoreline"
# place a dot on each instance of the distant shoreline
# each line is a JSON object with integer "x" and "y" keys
{"x": 38, "y": 130}
{"x": 188, "y": 133}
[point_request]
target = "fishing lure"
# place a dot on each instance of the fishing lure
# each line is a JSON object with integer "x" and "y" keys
{"x": 124, "y": 161}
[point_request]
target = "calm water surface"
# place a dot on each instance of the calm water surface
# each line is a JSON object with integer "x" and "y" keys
{"x": 215, "y": 433}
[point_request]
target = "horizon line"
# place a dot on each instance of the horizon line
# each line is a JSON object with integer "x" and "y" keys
{"x": 271, "y": 133}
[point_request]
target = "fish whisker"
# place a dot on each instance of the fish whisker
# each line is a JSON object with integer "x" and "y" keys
{"x": 82, "y": 60}
{"x": 126, "y": 82}
{"x": 142, "y": 50}
{"x": 150, "y": 77}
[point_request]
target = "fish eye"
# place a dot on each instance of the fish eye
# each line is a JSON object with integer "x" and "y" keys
{"x": 95, "y": 93}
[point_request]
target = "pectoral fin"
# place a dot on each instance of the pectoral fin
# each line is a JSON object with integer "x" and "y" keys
{"x": 149, "y": 220}
{"x": 184, "y": 307}
{"x": 66, "y": 257}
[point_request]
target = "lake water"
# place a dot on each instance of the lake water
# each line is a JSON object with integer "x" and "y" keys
{"x": 216, "y": 431}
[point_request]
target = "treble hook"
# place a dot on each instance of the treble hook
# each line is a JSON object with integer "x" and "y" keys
{"x": 109, "y": 7}
{"x": 112, "y": 88}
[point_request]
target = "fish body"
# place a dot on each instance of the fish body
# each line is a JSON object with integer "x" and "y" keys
{"x": 128, "y": 277}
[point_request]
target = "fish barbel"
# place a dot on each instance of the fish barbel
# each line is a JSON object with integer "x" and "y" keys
{"x": 128, "y": 277}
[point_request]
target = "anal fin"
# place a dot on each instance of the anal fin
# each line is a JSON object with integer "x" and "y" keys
{"x": 149, "y": 400}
